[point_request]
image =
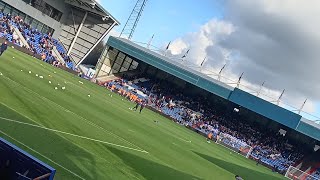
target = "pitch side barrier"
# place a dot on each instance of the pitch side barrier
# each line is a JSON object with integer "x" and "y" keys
{"x": 18, "y": 164}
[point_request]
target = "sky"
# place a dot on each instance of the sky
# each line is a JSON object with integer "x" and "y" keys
{"x": 271, "y": 41}
{"x": 167, "y": 20}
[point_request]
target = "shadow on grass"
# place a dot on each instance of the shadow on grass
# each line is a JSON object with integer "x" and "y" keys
{"x": 50, "y": 145}
{"x": 244, "y": 172}
{"x": 149, "y": 169}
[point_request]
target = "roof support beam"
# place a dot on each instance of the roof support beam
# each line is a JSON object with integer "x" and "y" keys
{"x": 77, "y": 34}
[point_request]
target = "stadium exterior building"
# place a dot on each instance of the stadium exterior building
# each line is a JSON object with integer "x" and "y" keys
{"x": 124, "y": 56}
{"x": 79, "y": 25}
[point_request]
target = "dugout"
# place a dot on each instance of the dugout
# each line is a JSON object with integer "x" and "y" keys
{"x": 122, "y": 56}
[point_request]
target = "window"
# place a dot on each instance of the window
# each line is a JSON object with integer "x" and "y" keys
{"x": 112, "y": 55}
{"x": 2, "y": 5}
{"x": 28, "y": 19}
{"x": 127, "y": 63}
{"x": 45, "y": 8}
{"x": 45, "y": 29}
{"x": 116, "y": 68}
{"x": 15, "y": 12}
{"x": 39, "y": 26}
{"x": 38, "y": 4}
{"x": 34, "y": 23}
{"x": 56, "y": 14}
{"x": 7, "y": 9}
{"x": 22, "y": 15}
{"x": 51, "y": 31}
{"x": 120, "y": 58}
{"x": 27, "y": 1}
{"x": 134, "y": 65}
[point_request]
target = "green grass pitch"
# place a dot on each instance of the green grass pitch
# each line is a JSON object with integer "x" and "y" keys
{"x": 98, "y": 137}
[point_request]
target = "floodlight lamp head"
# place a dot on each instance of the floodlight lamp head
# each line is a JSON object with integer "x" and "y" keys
{"x": 105, "y": 18}
{"x": 92, "y": 4}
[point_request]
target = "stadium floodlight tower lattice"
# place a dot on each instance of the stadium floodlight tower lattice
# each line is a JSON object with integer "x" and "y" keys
{"x": 132, "y": 22}
{"x": 79, "y": 25}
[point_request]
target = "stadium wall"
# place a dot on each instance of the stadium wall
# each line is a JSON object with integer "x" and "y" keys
{"x": 265, "y": 108}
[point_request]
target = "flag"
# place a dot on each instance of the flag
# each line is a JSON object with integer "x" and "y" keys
{"x": 304, "y": 102}
{"x": 168, "y": 45}
{"x": 150, "y": 41}
{"x": 185, "y": 55}
{"x": 203, "y": 61}
{"x": 240, "y": 78}
{"x": 281, "y": 94}
{"x": 222, "y": 68}
{"x": 238, "y": 83}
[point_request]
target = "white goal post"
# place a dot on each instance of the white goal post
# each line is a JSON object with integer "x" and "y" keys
{"x": 296, "y": 174}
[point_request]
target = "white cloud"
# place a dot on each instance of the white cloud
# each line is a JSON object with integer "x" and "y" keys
{"x": 269, "y": 40}
{"x": 177, "y": 47}
{"x": 208, "y": 35}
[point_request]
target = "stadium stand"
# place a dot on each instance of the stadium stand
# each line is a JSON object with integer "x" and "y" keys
{"x": 315, "y": 175}
{"x": 62, "y": 30}
{"x": 271, "y": 150}
{"x": 40, "y": 43}
{"x": 253, "y": 126}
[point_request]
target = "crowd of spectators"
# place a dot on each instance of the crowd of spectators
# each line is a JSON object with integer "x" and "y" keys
{"x": 39, "y": 43}
{"x": 315, "y": 175}
{"x": 268, "y": 147}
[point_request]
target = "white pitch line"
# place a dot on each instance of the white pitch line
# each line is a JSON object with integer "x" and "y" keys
{"x": 75, "y": 135}
{"x": 43, "y": 156}
{"x": 84, "y": 119}
{"x": 183, "y": 140}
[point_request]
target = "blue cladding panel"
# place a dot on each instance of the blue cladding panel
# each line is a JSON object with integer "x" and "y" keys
{"x": 309, "y": 130}
{"x": 175, "y": 70}
{"x": 214, "y": 88}
{"x": 265, "y": 108}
